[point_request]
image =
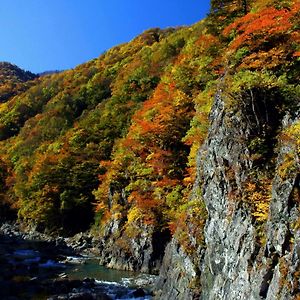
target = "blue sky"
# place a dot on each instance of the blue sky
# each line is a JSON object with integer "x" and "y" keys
{"x": 40, "y": 35}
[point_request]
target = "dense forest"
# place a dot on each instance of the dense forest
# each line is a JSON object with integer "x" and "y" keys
{"x": 115, "y": 141}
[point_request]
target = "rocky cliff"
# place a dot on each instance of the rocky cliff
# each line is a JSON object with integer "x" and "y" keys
{"x": 251, "y": 250}
{"x": 119, "y": 250}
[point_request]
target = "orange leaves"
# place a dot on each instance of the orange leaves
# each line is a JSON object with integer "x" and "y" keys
{"x": 295, "y": 7}
{"x": 158, "y": 160}
{"x": 143, "y": 201}
{"x": 265, "y": 59}
{"x": 205, "y": 41}
{"x": 154, "y": 122}
{"x": 145, "y": 161}
{"x": 257, "y": 27}
{"x": 270, "y": 38}
{"x": 147, "y": 127}
{"x": 162, "y": 95}
{"x": 166, "y": 182}
{"x": 42, "y": 161}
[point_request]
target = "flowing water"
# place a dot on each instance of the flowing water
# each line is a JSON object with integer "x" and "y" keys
{"x": 36, "y": 270}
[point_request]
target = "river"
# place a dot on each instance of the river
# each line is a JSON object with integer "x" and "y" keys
{"x": 36, "y": 270}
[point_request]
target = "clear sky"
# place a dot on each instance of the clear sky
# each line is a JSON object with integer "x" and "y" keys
{"x": 40, "y": 35}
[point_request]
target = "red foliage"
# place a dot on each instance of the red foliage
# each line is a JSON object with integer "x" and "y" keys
{"x": 297, "y": 54}
{"x": 256, "y": 28}
{"x": 144, "y": 201}
{"x": 166, "y": 182}
{"x": 206, "y": 40}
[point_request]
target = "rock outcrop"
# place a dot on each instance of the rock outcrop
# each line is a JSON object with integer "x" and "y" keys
{"x": 178, "y": 276}
{"x": 142, "y": 253}
{"x": 251, "y": 252}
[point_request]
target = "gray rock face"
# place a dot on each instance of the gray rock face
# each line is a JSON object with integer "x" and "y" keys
{"x": 229, "y": 234}
{"x": 238, "y": 263}
{"x": 142, "y": 253}
{"x": 178, "y": 273}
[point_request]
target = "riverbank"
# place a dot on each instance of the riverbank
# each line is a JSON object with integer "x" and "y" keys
{"x": 38, "y": 266}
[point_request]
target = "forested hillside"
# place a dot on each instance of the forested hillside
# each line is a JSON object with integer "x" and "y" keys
{"x": 141, "y": 144}
{"x": 13, "y": 80}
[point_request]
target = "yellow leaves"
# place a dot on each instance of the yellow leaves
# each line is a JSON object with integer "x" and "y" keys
{"x": 116, "y": 209}
{"x": 262, "y": 4}
{"x": 258, "y": 196}
{"x": 262, "y": 206}
{"x": 3, "y": 107}
{"x": 247, "y": 80}
{"x": 189, "y": 180}
{"x": 291, "y": 135}
{"x": 293, "y": 132}
{"x": 190, "y": 224}
{"x": 198, "y": 130}
{"x": 288, "y": 165}
{"x": 133, "y": 215}
{"x": 251, "y": 187}
{"x": 101, "y": 206}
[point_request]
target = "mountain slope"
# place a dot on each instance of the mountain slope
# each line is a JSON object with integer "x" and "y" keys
{"x": 178, "y": 150}
{"x": 12, "y": 80}
{"x": 68, "y": 122}
{"x": 12, "y": 73}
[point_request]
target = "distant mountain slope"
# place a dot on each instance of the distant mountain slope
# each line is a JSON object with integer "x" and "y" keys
{"x": 45, "y": 73}
{"x": 12, "y": 80}
{"x": 12, "y": 73}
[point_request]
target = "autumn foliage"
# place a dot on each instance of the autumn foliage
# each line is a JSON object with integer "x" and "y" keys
{"x": 118, "y": 137}
{"x": 269, "y": 36}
